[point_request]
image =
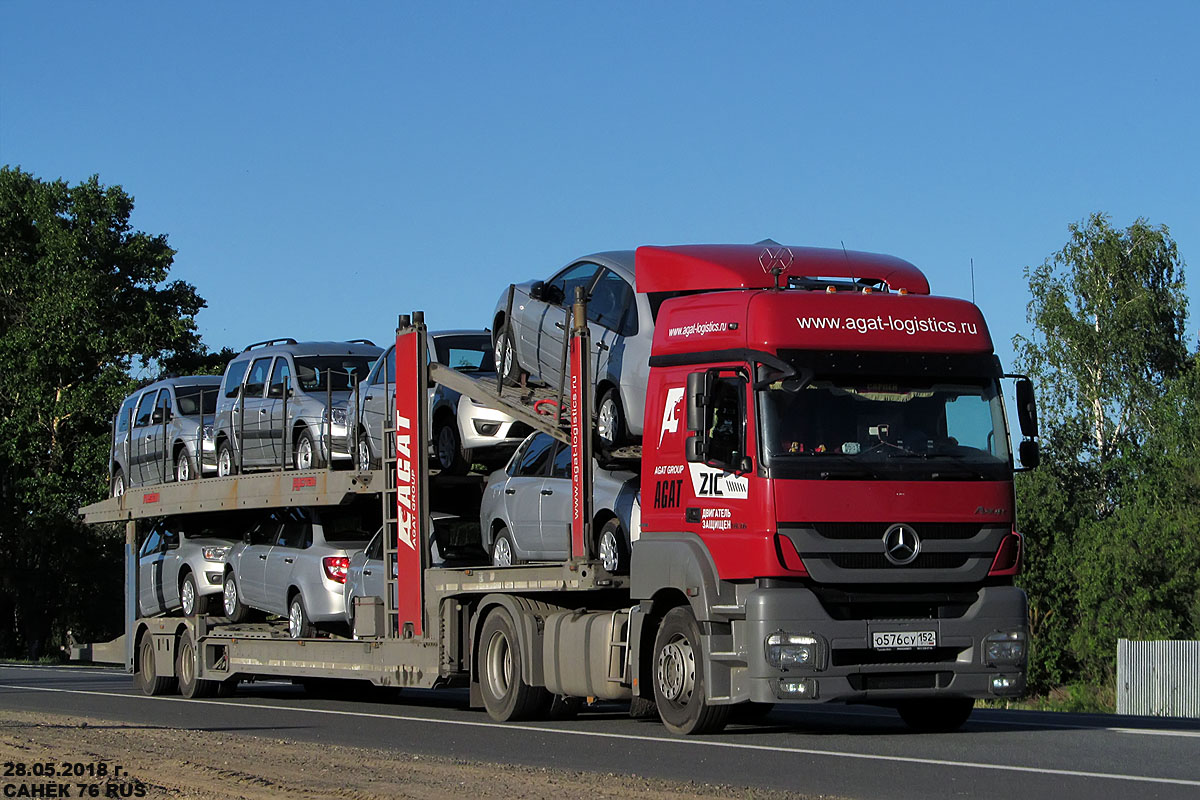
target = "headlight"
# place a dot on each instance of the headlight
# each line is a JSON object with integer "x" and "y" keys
{"x": 1004, "y": 647}
{"x": 791, "y": 650}
{"x": 208, "y": 433}
{"x": 339, "y": 415}
{"x": 215, "y": 553}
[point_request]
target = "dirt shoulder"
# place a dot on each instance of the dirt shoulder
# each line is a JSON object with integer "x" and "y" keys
{"x": 158, "y": 762}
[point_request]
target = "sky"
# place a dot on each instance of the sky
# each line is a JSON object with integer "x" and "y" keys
{"x": 323, "y": 167}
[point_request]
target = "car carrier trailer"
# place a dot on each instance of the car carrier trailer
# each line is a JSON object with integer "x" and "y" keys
{"x": 799, "y": 575}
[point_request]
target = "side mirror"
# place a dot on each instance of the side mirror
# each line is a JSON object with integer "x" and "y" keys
{"x": 160, "y": 416}
{"x": 538, "y": 291}
{"x": 697, "y": 400}
{"x": 1026, "y": 408}
{"x": 246, "y": 538}
{"x": 696, "y": 450}
{"x": 1030, "y": 453}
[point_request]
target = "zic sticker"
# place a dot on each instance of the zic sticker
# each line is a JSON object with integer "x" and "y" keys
{"x": 708, "y": 482}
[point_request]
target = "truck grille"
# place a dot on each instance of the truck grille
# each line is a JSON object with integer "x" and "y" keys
{"x": 875, "y": 530}
{"x": 900, "y": 680}
{"x": 878, "y": 561}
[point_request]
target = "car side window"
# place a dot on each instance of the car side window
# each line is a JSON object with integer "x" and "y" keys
{"x": 153, "y": 542}
{"x": 233, "y": 377}
{"x": 562, "y": 286}
{"x": 292, "y": 533}
{"x": 123, "y": 414}
{"x": 279, "y": 377}
{"x": 536, "y": 457}
{"x": 375, "y": 548}
{"x": 265, "y": 532}
{"x": 163, "y": 405}
{"x": 562, "y": 462}
{"x": 383, "y": 369}
{"x": 257, "y": 380}
{"x": 145, "y": 409}
{"x": 612, "y": 304}
{"x": 727, "y": 420}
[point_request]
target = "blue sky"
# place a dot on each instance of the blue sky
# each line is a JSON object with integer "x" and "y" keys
{"x": 322, "y": 167}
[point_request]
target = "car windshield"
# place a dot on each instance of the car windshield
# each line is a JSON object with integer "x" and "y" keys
{"x": 850, "y": 427}
{"x": 317, "y": 373}
{"x": 194, "y": 400}
{"x": 471, "y": 353}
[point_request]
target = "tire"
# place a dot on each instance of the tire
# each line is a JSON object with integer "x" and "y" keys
{"x": 231, "y": 600}
{"x": 503, "y": 553}
{"x": 147, "y": 678}
{"x": 186, "y": 668}
{"x": 505, "y": 353}
{"x": 305, "y": 454}
{"x": 447, "y": 449}
{"x": 611, "y": 549}
{"x": 299, "y": 625}
{"x": 610, "y": 419}
{"x": 117, "y": 486}
{"x": 190, "y": 601}
{"x": 226, "y": 460}
{"x": 362, "y": 457}
{"x": 641, "y": 708}
{"x": 506, "y": 696}
{"x": 936, "y": 715}
{"x": 679, "y": 690}
{"x": 183, "y": 466}
{"x": 227, "y": 687}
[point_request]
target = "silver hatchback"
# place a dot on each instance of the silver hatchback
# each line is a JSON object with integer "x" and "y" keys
{"x": 164, "y": 432}
{"x": 294, "y": 564}
{"x": 181, "y": 565}
{"x": 526, "y": 509}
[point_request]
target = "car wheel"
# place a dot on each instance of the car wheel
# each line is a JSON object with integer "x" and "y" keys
{"x": 503, "y": 554}
{"x": 187, "y": 668}
{"x": 937, "y": 715}
{"x": 611, "y": 549}
{"x": 231, "y": 598}
{"x": 506, "y": 696}
{"x": 679, "y": 690}
{"x": 448, "y": 449}
{"x": 147, "y": 678}
{"x": 610, "y": 419}
{"x": 188, "y": 596}
{"x": 183, "y": 466}
{"x": 299, "y": 626}
{"x": 362, "y": 454}
{"x": 118, "y": 483}
{"x": 226, "y": 463}
{"x": 506, "y": 356}
{"x": 305, "y": 453}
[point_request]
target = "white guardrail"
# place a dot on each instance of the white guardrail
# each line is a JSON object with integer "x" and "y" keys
{"x": 1158, "y": 679}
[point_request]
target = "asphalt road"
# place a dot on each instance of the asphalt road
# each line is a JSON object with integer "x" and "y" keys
{"x": 846, "y": 752}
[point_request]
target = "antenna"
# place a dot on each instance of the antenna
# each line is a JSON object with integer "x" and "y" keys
{"x": 972, "y": 281}
{"x": 848, "y": 262}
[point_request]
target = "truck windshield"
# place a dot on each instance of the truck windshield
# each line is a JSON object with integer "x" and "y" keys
{"x": 888, "y": 429}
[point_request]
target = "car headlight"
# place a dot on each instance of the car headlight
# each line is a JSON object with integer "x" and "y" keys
{"x": 791, "y": 650}
{"x": 208, "y": 433}
{"x": 338, "y": 415}
{"x": 215, "y": 553}
{"x": 1004, "y": 647}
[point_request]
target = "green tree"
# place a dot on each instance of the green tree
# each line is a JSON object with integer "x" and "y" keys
{"x": 1111, "y": 516}
{"x": 83, "y": 297}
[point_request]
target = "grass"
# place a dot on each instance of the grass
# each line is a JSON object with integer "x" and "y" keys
{"x": 1076, "y": 697}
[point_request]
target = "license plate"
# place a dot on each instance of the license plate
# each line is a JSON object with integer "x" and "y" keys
{"x": 903, "y": 640}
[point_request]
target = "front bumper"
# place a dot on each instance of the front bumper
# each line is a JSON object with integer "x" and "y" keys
{"x": 846, "y": 668}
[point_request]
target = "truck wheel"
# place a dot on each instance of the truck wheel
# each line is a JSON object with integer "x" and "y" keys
{"x": 305, "y": 454}
{"x": 503, "y": 554}
{"x": 227, "y": 687}
{"x": 118, "y": 483}
{"x": 506, "y": 696}
{"x": 610, "y": 419}
{"x": 610, "y": 548}
{"x": 234, "y": 608}
{"x": 147, "y": 678}
{"x": 187, "y": 668}
{"x": 936, "y": 715}
{"x": 183, "y": 466}
{"x": 506, "y": 356}
{"x": 448, "y": 449}
{"x": 679, "y": 677}
{"x": 226, "y": 462}
{"x": 299, "y": 625}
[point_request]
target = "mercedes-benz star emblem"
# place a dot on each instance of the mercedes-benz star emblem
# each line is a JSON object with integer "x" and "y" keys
{"x": 901, "y": 544}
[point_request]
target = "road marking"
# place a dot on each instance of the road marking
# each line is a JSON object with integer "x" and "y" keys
{"x": 76, "y": 670}
{"x": 508, "y": 726}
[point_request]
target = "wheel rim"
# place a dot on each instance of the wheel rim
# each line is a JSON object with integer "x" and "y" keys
{"x": 504, "y": 354}
{"x": 187, "y": 597}
{"x": 677, "y": 670}
{"x": 147, "y": 665}
{"x": 229, "y": 596}
{"x": 364, "y": 456}
{"x": 295, "y": 619}
{"x": 610, "y": 553}
{"x": 499, "y": 661}
{"x": 606, "y": 420}
{"x": 118, "y": 485}
{"x": 224, "y": 462}
{"x": 502, "y": 553}
{"x": 187, "y": 662}
{"x": 446, "y": 447}
{"x": 182, "y": 467}
{"x": 304, "y": 453}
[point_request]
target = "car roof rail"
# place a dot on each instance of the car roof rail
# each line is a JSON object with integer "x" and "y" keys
{"x": 361, "y": 341}
{"x": 268, "y": 343}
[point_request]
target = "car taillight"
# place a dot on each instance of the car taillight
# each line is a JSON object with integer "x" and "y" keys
{"x": 1008, "y": 556}
{"x": 335, "y": 567}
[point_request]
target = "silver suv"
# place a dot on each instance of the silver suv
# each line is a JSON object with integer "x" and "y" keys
{"x": 464, "y": 432}
{"x": 160, "y": 429}
{"x": 283, "y": 404}
{"x": 621, "y": 323}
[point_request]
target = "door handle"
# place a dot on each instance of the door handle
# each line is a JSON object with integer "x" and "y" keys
{"x": 370, "y": 397}
{"x": 262, "y": 558}
{"x": 289, "y": 560}
{"x": 510, "y": 491}
{"x": 547, "y": 491}
{"x": 262, "y": 411}
{"x": 366, "y": 572}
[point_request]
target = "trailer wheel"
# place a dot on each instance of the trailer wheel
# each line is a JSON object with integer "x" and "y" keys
{"x": 187, "y": 668}
{"x": 147, "y": 678}
{"x": 936, "y": 715}
{"x": 506, "y": 696}
{"x": 234, "y": 608}
{"x": 679, "y": 677}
